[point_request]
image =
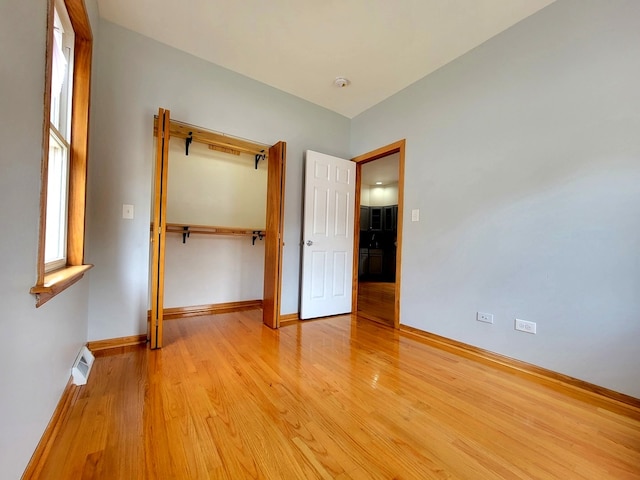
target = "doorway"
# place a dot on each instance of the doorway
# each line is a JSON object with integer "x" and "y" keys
{"x": 378, "y": 234}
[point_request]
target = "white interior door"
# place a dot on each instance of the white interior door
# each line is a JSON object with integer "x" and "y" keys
{"x": 327, "y": 250}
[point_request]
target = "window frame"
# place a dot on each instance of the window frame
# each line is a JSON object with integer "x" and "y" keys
{"x": 49, "y": 284}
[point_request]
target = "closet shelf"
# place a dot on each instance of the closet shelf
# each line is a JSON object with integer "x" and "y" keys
{"x": 187, "y": 230}
{"x": 200, "y": 135}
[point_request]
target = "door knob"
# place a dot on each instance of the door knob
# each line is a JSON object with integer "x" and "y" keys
{"x": 309, "y": 243}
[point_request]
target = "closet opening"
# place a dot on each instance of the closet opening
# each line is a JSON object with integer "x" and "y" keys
{"x": 217, "y": 225}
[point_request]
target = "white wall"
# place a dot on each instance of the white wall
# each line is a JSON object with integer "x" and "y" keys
{"x": 37, "y": 346}
{"x": 211, "y": 269}
{"x": 208, "y": 187}
{"x": 135, "y": 76}
{"x": 524, "y": 159}
{"x": 379, "y": 196}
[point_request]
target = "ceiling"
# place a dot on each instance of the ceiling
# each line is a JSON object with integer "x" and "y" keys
{"x": 301, "y": 46}
{"x": 385, "y": 170}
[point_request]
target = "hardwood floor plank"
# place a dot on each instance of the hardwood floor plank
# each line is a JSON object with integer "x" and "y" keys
{"x": 343, "y": 397}
{"x": 376, "y": 301}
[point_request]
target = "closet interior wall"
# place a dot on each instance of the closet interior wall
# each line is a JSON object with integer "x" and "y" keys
{"x": 212, "y": 188}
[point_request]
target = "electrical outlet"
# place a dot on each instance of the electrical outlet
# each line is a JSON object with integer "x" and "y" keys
{"x": 484, "y": 317}
{"x": 524, "y": 326}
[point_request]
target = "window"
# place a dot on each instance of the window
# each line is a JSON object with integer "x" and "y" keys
{"x": 65, "y": 141}
{"x": 55, "y": 250}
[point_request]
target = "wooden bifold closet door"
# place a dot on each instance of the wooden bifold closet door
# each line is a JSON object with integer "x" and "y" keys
{"x": 274, "y": 239}
{"x": 159, "y": 228}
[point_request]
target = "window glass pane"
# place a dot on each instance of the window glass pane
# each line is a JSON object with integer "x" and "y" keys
{"x": 56, "y": 226}
{"x": 61, "y": 71}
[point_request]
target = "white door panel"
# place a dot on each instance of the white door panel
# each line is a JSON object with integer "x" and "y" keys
{"x": 320, "y": 211}
{"x": 342, "y": 217}
{"x": 340, "y": 273}
{"x": 318, "y": 266}
{"x": 327, "y": 255}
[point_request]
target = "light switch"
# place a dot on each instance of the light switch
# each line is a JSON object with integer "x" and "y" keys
{"x": 415, "y": 215}
{"x": 127, "y": 211}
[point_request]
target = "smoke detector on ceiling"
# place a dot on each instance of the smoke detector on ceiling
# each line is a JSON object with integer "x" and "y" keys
{"x": 341, "y": 82}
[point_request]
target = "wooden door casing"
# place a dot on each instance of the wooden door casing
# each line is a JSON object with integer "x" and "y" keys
{"x": 396, "y": 147}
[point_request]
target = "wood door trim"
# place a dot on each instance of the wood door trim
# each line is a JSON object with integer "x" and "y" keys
{"x": 385, "y": 151}
{"x": 356, "y": 240}
{"x": 399, "y": 148}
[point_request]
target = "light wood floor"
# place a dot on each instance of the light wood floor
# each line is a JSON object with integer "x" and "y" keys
{"x": 376, "y": 301}
{"x": 227, "y": 398}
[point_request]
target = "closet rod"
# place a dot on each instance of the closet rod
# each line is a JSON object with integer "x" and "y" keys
{"x": 187, "y": 230}
{"x": 184, "y": 130}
